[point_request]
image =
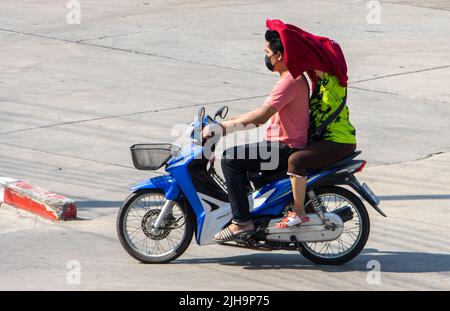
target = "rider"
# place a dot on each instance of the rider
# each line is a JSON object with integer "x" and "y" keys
{"x": 286, "y": 109}
{"x": 325, "y": 64}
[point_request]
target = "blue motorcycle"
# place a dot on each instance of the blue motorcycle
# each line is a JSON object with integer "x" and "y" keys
{"x": 157, "y": 221}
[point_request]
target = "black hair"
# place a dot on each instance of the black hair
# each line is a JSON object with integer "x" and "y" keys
{"x": 274, "y": 40}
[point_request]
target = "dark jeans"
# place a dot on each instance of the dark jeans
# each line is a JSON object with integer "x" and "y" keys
{"x": 239, "y": 160}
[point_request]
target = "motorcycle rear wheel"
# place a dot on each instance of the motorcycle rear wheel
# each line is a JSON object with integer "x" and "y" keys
{"x": 313, "y": 251}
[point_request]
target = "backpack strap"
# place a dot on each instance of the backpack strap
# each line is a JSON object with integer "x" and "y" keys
{"x": 331, "y": 118}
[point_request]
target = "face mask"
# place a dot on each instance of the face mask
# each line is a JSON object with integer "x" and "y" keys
{"x": 269, "y": 64}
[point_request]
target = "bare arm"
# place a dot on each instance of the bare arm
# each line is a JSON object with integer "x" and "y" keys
{"x": 255, "y": 117}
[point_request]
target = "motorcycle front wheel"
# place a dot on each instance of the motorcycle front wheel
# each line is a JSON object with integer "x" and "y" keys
{"x": 145, "y": 243}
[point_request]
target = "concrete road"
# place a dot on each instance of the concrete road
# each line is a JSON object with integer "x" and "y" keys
{"x": 74, "y": 97}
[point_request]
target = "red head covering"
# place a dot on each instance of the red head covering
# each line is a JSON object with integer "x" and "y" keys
{"x": 305, "y": 52}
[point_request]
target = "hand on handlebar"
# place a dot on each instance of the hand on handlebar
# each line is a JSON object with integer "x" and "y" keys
{"x": 212, "y": 130}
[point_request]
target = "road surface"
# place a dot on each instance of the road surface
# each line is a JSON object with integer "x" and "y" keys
{"x": 74, "y": 97}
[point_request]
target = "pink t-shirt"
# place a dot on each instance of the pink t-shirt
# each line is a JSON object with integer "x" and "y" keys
{"x": 290, "y": 97}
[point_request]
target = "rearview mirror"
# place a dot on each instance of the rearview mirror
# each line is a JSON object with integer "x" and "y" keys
{"x": 201, "y": 114}
{"x": 222, "y": 112}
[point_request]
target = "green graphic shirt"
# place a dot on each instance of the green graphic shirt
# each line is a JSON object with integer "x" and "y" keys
{"x": 326, "y": 98}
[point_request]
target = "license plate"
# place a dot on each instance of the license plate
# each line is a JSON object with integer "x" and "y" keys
{"x": 370, "y": 193}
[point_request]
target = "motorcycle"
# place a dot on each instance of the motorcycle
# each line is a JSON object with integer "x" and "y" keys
{"x": 157, "y": 221}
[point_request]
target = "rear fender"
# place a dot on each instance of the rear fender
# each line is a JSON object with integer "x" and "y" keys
{"x": 345, "y": 179}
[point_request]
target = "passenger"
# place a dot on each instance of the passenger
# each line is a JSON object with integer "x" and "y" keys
{"x": 325, "y": 64}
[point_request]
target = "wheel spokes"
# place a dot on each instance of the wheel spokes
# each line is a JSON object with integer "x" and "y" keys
{"x": 140, "y": 233}
{"x": 350, "y": 234}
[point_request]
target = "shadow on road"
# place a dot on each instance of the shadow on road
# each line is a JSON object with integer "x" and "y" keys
{"x": 415, "y": 197}
{"x": 98, "y": 204}
{"x": 390, "y": 261}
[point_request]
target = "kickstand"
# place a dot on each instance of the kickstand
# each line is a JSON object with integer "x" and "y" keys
{"x": 294, "y": 240}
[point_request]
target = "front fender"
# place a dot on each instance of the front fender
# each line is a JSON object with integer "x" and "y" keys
{"x": 166, "y": 183}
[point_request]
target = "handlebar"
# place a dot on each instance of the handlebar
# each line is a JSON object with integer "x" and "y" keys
{"x": 207, "y": 120}
{"x": 202, "y": 119}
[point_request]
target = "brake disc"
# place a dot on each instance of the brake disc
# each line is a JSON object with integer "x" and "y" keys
{"x": 147, "y": 223}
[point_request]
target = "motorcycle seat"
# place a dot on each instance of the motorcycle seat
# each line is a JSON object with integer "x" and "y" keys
{"x": 343, "y": 161}
{"x": 265, "y": 177}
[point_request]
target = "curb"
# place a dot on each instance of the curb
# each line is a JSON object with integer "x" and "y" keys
{"x": 36, "y": 200}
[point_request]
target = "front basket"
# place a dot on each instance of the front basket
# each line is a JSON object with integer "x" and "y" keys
{"x": 151, "y": 156}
